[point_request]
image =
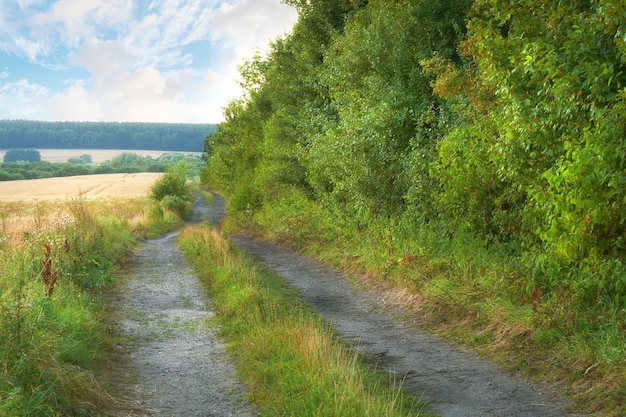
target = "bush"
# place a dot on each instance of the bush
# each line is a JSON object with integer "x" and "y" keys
{"x": 173, "y": 183}
{"x": 28, "y": 155}
{"x": 177, "y": 205}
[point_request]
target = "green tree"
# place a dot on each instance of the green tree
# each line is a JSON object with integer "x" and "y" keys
{"x": 26, "y": 155}
{"x": 376, "y": 158}
{"x": 549, "y": 146}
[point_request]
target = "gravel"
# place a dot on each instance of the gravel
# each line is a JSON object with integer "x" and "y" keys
{"x": 172, "y": 361}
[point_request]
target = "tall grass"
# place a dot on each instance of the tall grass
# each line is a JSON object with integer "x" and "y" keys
{"x": 52, "y": 331}
{"x": 292, "y": 363}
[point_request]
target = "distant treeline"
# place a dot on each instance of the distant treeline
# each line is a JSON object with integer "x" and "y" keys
{"x": 126, "y": 162}
{"x": 16, "y": 134}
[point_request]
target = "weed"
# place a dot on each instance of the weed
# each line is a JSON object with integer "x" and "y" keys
{"x": 52, "y": 337}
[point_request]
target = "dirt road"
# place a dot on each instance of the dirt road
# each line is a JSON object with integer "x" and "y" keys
{"x": 172, "y": 362}
{"x": 454, "y": 382}
{"x": 181, "y": 368}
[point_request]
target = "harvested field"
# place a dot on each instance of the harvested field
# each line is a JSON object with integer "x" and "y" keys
{"x": 85, "y": 186}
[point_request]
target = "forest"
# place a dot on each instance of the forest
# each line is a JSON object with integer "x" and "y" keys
{"x": 503, "y": 121}
{"x": 19, "y": 134}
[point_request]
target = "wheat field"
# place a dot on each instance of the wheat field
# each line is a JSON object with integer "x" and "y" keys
{"x": 84, "y": 186}
{"x": 27, "y": 207}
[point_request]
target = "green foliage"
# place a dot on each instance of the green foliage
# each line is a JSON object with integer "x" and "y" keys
{"x": 172, "y": 190}
{"x": 476, "y": 117}
{"x": 126, "y": 162}
{"x": 447, "y": 131}
{"x": 22, "y": 155}
{"x": 379, "y": 152}
{"x": 545, "y": 156}
{"x": 100, "y": 135}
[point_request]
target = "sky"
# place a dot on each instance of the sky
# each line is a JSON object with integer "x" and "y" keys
{"x": 173, "y": 61}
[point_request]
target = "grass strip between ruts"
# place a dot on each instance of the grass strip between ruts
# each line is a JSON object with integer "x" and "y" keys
{"x": 291, "y": 362}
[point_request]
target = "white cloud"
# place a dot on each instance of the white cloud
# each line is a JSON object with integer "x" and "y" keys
{"x": 104, "y": 58}
{"x": 246, "y": 28}
{"x": 22, "y": 99}
{"x": 75, "y": 104}
{"x": 250, "y": 24}
{"x": 80, "y": 19}
{"x": 145, "y": 60}
{"x": 117, "y": 90}
{"x": 30, "y": 49}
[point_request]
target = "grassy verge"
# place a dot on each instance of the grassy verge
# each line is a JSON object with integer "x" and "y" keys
{"x": 289, "y": 359}
{"x": 471, "y": 291}
{"x": 56, "y": 262}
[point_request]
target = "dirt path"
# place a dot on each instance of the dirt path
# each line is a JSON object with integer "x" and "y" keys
{"x": 181, "y": 368}
{"x": 172, "y": 360}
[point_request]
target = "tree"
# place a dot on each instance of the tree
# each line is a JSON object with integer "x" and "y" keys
{"x": 25, "y": 155}
{"x": 549, "y": 146}
{"x": 377, "y": 157}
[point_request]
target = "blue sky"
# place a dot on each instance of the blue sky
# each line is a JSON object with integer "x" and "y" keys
{"x": 130, "y": 60}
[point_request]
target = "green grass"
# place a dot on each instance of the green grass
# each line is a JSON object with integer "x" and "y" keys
{"x": 289, "y": 359}
{"x": 55, "y": 350}
{"x": 51, "y": 345}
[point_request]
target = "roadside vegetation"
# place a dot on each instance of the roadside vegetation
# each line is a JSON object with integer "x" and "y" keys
{"x": 57, "y": 263}
{"x": 472, "y": 155}
{"x": 289, "y": 359}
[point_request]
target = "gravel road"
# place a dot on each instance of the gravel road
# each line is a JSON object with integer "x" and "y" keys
{"x": 181, "y": 368}
{"x": 454, "y": 382}
{"x": 172, "y": 360}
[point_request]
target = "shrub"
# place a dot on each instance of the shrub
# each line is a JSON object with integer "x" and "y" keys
{"x": 173, "y": 183}
{"x": 28, "y": 155}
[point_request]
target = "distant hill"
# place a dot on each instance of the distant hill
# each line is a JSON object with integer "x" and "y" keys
{"x": 19, "y": 134}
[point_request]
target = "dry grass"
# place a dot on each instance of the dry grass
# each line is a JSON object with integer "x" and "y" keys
{"x": 19, "y": 219}
{"x": 84, "y": 186}
{"x": 30, "y": 206}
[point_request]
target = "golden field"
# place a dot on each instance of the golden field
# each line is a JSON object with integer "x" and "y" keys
{"x": 30, "y": 206}
{"x": 83, "y": 186}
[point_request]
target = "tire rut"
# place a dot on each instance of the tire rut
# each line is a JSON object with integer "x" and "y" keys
{"x": 181, "y": 368}
{"x": 173, "y": 361}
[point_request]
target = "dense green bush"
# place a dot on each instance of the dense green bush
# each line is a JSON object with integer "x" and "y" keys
{"x": 172, "y": 190}
{"x": 469, "y": 117}
{"x": 23, "y": 155}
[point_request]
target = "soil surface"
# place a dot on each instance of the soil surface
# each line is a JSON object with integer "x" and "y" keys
{"x": 83, "y": 186}
{"x": 181, "y": 367}
{"x": 173, "y": 363}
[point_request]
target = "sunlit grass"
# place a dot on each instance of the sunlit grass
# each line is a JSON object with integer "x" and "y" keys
{"x": 58, "y": 260}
